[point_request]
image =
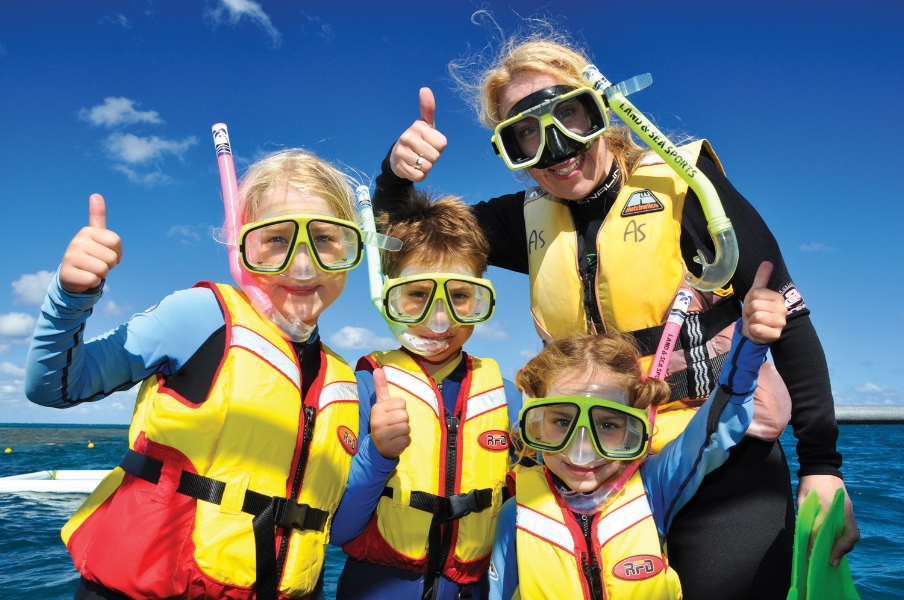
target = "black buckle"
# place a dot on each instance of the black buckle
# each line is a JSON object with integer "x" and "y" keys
{"x": 288, "y": 513}
{"x": 461, "y": 505}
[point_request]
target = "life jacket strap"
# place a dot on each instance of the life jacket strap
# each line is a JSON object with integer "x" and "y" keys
{"x": 451, "y": 508}
{"x": 269, "y": 512}
{"x": 711, "y": 322}
{"x": 444, "y": 510}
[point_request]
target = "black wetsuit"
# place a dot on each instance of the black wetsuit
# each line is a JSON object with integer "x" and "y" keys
{"x": 734, "y": 539}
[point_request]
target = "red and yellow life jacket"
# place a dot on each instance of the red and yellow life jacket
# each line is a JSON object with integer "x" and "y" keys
{"x": 149, "y": 540}
{"x": 397, "y": 534}
{"x": 553, "y": 551}
{"x": 639, "y": 269}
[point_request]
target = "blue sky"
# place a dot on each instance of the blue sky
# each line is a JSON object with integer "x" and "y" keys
{"x": 803, "y": 102}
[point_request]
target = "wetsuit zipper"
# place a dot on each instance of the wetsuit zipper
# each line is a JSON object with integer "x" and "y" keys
{"x": 589, "y": 564}
{"x": 448, "y": 489}
{"x": 306, "y": 437}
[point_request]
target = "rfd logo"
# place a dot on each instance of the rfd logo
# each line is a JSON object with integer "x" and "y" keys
{"x": 635, "y": 568}
{"x": 495, "y": 439}
{"x": 348, "y": 439}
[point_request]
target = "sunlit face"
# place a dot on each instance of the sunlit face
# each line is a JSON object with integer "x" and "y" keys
{"x": 304, "y": 290}
{"x": 439, "y": 325}
{"x": 572, "y": 179}
{"x": 610, "y": 426}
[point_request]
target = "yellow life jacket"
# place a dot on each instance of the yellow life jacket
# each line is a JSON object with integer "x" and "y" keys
{"x": 398, "y": 533}
{"x": 553, "y": 553}
{"x": 639, "y": 270}
{"x": 158, "y": 540}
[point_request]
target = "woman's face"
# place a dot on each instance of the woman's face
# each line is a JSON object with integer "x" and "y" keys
{"x": 574, "y": 178}
{"x": 588, "y": 477}
{"x": 304, "y": 290}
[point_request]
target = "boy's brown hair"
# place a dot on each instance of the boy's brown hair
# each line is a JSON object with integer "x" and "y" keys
{"x": 434, "y": 230}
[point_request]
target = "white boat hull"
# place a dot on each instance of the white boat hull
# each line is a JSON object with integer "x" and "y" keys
{"x": 57, "y": 482}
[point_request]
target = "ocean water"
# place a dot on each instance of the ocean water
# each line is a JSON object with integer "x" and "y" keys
{"x": 34, "y": 563}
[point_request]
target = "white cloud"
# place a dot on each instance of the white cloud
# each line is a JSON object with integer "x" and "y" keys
{"x": 132, "y": 149}
{"x": 118, "y": 19}
{"x": 816, "y": 247}
{"x": 118, "y": 111}
{"x": 187, "y": 234}
{"x": 110, "y": 308}
{"x": 150, "y": 179}
{"x": 359, "y": 338}
{"x": 871, "y": 394}
{"x": 491, "y": 331}
{"x": 10, "y": 370}
{"x": 320, "y": 27}
{"x": 32, "y": 288}
{"x": 233, "y": 11}
{"x": 16, "y": 325}
{"x": 527, "y": 354}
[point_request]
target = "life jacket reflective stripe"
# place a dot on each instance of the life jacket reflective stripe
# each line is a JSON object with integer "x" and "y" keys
{"x": 397, "y": 535}
{"x": 247, "y": 434}
{"x": 552, "y": 550}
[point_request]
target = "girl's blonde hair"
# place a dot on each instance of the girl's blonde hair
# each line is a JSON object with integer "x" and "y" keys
{"x": 540, "y": 51}
{"x": 614, "y": 355}
{"x": 302, "y": 171}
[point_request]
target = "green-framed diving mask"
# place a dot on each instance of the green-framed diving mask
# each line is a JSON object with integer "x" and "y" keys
{"x": 617, "y": 431}
{"x": 269, "y": 246}
{"x": 414, "y": 299}
{"x": 549, "y": 126}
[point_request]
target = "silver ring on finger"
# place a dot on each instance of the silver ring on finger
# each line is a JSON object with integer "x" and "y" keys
{"x": 418, "y": 163}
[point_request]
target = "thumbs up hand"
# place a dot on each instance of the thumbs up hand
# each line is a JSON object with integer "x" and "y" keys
{"x": 420, "y": 145}
{"x": 92, "y": 252}
{"x": 389, "y": 427}
{"x": 764, "y": 310}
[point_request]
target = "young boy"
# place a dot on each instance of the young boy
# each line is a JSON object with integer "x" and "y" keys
{"x": 426, "y": 486}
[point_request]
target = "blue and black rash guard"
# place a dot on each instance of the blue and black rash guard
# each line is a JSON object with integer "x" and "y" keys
{"x": 671, "y": 477}
{"x": 183, "y": 338}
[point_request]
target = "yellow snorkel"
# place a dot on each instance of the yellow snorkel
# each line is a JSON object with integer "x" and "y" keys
{"x": 716, "y": 274}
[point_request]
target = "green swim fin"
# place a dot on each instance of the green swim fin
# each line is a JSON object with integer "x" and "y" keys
{"x": 814, "y": 577}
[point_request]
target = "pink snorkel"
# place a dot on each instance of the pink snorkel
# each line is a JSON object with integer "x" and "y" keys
{"x": 228, "y": 181}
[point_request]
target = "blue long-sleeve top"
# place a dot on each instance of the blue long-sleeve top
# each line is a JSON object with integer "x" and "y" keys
{"x": 671, "y": 477}
{"x": 367, "y": 478}
{"x": 63, "y": 370}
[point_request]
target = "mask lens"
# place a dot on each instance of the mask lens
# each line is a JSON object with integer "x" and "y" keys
{"x": 471, "y": 302}
{"x": 266, "y": 249}
{"x": 408, "y": 302}
{"x": 337, "y": 247}
{"x": 522, "y": 139}
{"x": 549, "y": 427}
{"x": 620, "y": 435}
{"x": 580, "y": 115}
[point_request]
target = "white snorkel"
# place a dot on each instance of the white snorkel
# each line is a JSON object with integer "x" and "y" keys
{"x": 374, "y": 241}
{"x": 715, "y": 274}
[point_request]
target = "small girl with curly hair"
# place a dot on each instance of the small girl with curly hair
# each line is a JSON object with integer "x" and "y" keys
{"x": 591, "y": 521}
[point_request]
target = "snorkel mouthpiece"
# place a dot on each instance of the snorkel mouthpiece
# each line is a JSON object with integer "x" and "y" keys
{"x": 716, "y": 274}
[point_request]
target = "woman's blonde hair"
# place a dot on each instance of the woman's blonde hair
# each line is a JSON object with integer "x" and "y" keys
{"x": 614, "y": 355}
{"x": 302, "y": 171}
{"x": 436, "y": 231}
{"x": 540, "y": 51}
